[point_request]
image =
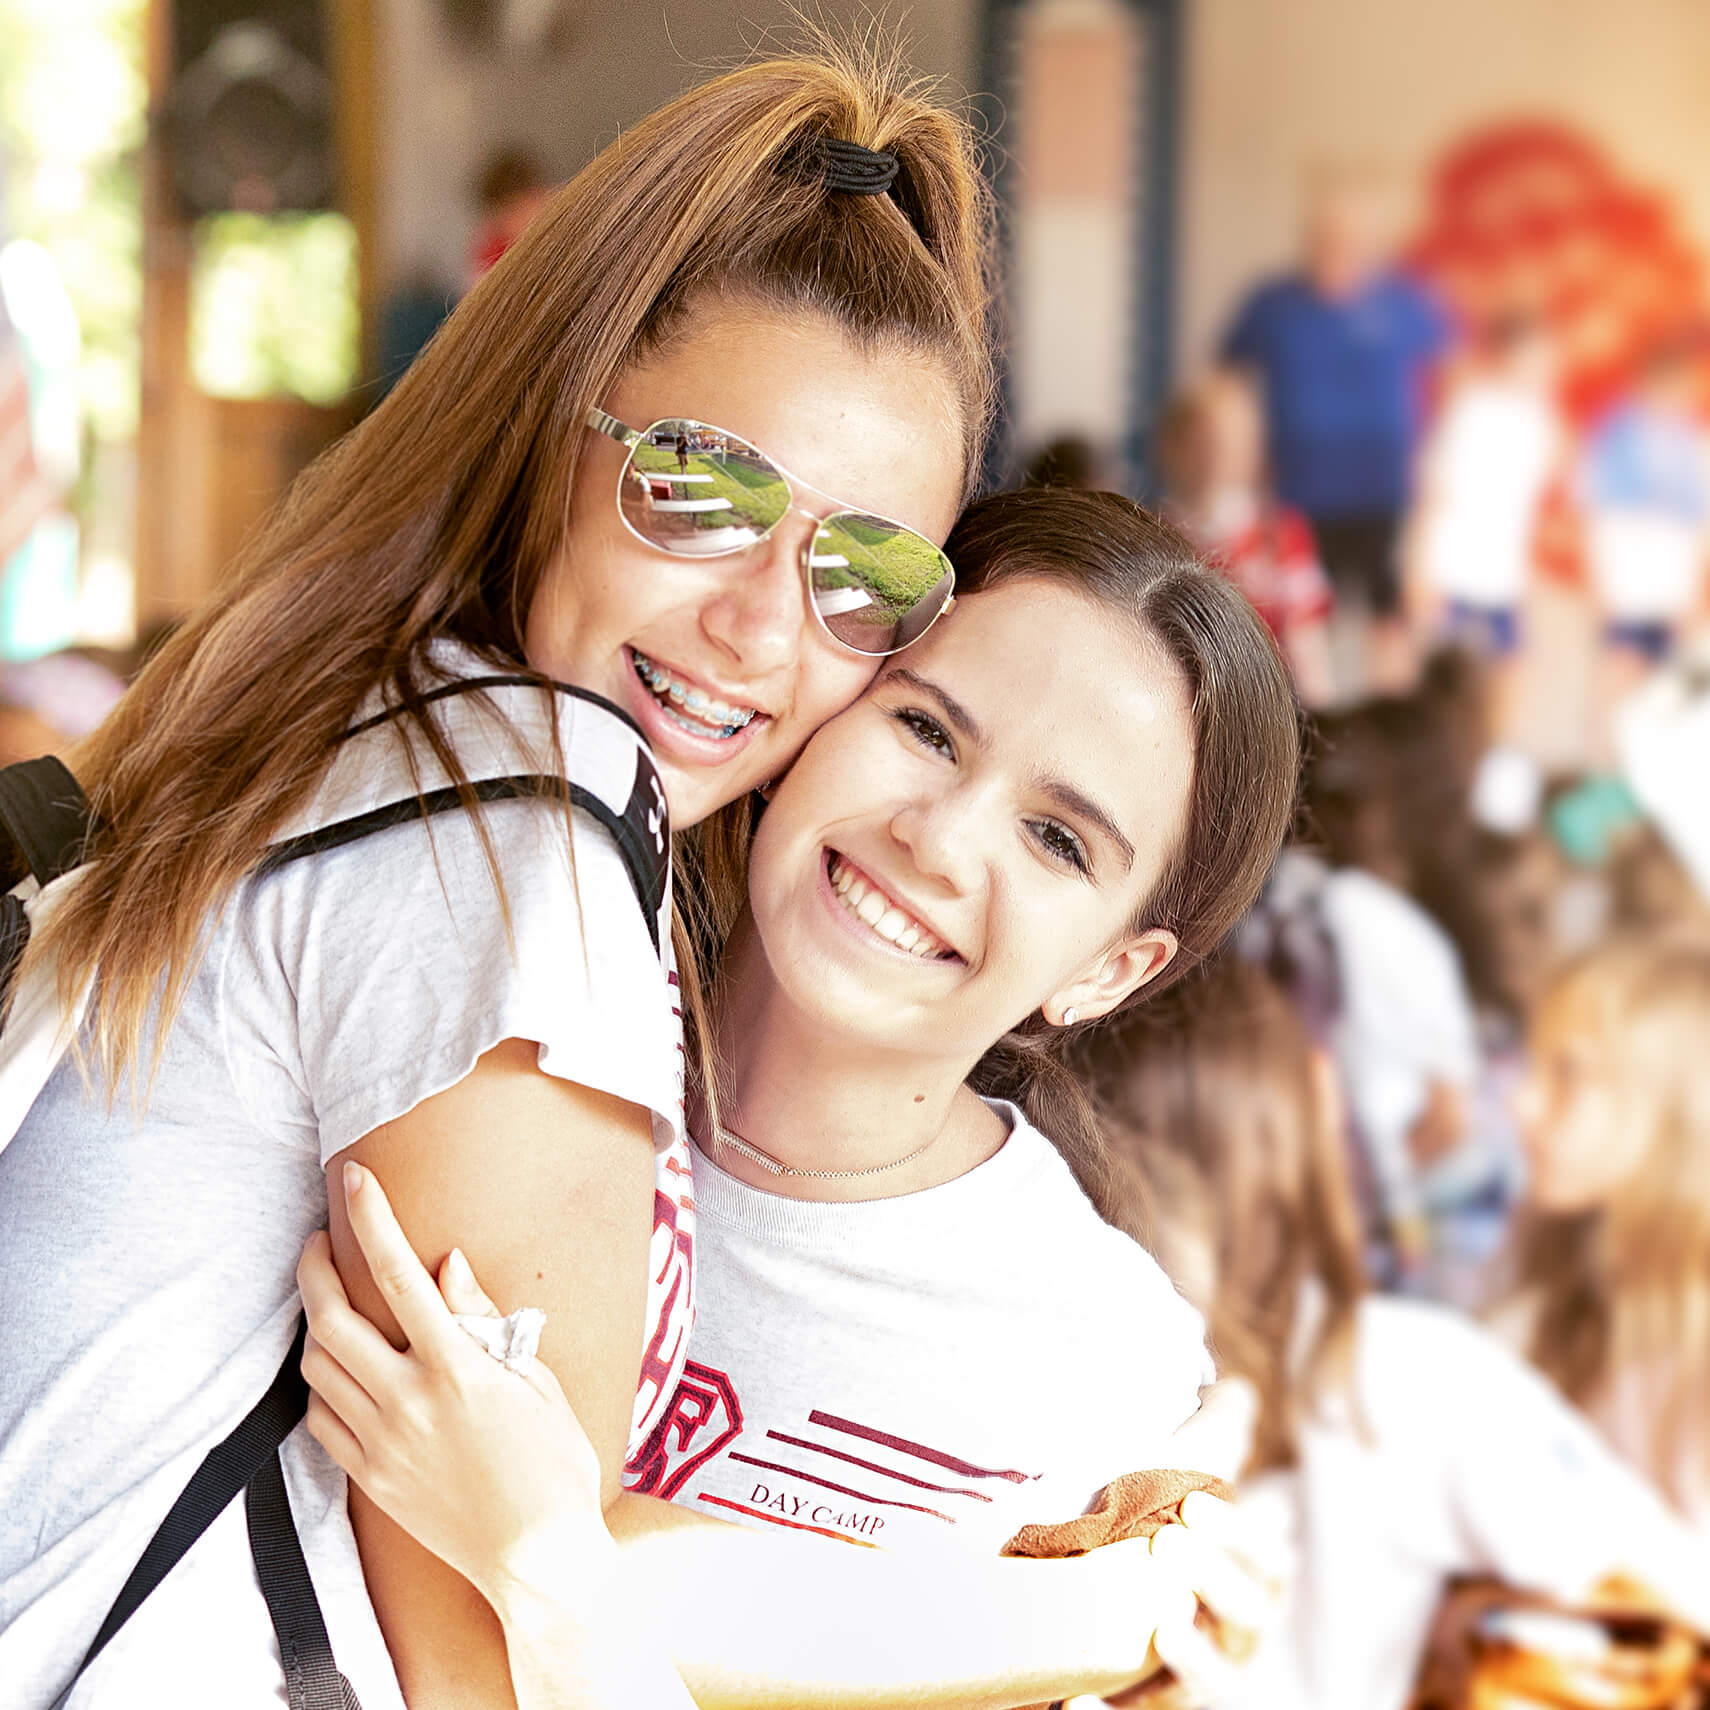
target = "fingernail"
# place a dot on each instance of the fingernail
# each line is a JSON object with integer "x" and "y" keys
{"x": 352, "y": 1179}
{"x": 459, "y": 1268}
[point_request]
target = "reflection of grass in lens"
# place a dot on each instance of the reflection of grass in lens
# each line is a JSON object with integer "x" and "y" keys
{"x": 897, "y": 566}
{"x": 757, "y": 496}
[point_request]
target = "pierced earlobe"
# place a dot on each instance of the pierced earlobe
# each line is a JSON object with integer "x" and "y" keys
{"x": 1070, "y": 1017}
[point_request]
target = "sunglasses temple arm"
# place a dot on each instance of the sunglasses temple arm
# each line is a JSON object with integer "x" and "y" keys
{"x": 612, "y": 428}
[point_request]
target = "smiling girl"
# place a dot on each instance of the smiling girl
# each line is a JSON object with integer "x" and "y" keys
{"x": 915, "y": 1331}
{"x": 483, "y": 594}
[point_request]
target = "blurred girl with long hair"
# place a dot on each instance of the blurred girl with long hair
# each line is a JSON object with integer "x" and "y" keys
{"x": 1611, "y": 1291}
{"x": 1404, "y": 1444}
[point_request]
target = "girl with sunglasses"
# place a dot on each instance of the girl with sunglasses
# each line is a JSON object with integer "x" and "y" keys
{"x": 471, "y": 605}
{"x": 916, "y": 1334}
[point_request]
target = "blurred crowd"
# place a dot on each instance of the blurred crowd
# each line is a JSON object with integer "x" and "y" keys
{"x": 1431, "y": 1147}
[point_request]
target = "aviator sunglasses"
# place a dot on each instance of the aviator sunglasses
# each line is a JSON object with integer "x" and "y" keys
{"x": 698, "y": 491}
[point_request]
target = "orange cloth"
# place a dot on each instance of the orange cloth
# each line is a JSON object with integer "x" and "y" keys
{"x": 1135, "y": 1506}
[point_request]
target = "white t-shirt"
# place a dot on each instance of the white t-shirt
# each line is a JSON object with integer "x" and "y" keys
{"x": 1457, "y": 1458}
{"x": 1490, "y": 459}
{"x": 147, "y": 1262}
{"x": 1406, "y": 1020}
{"x": 937, "y": 1369}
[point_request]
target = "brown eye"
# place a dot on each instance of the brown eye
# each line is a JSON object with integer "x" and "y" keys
{"x": 1061, "y": 844}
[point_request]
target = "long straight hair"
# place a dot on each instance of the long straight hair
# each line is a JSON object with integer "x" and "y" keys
{"x": 1620, "y": 1295}
{"x": 438, "y": 516}
{"x": 1218, "y": 1130}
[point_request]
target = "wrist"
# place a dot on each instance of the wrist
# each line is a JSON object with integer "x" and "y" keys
{"x": 558, "y": 1572}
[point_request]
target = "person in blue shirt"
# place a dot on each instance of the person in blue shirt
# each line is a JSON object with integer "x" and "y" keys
{"x": 1342, "y": 347}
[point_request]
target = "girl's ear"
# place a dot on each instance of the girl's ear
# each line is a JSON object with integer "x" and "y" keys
{"x": 1121, "y": 970}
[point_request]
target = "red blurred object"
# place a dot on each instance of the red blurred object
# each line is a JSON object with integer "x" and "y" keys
{"x": 1531, "y": 217}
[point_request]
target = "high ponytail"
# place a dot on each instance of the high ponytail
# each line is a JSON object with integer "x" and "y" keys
{"x": 440, "y": 514}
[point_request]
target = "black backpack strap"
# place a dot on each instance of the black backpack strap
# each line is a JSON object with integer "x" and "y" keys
{"x": 638, "y": 825}
{"x": 47, "y": 815}
{"x": 248, "y": 1459}
{"x": 250, "y": 1453}
{"x": 312, "y": 1679}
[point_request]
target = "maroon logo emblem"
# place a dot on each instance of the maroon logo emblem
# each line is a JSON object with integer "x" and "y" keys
{"x": 704, "y": 1417}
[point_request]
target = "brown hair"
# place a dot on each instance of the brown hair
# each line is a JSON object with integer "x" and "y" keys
{"x": 440, "y": 513}
{"x": 1623, "y": 1291}
{"x": 1246, "y": 739}
{"x": 1211, "y": 1105}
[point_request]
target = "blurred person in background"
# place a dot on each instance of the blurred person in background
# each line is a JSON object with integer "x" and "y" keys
{"x": 1490, "y": 456}
{"x": 1211, "y": 453}
{"x": 1072, "y": 460}
{"x": 1343, "y": 347}
{"x": 1610, "y": 1295}
{"x": 1400, "y": 1022}
{"x": 1644, "y": 490}
{"x": 1403, "y": 1444}
{"x": 512, "y": 189}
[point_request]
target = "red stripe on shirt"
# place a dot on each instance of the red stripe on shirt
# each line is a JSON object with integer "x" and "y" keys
{"x": 873, "y": 1466}
{"x": 794, "y": 1525}
{"x": 903, "y": 1446}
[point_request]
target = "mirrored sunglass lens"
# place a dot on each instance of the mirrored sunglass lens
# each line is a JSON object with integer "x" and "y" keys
{"x": 698, "y": 491}
{"x": 877, "y": 585}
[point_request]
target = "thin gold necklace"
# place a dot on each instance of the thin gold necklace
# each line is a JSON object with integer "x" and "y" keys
{"x": 779, "y": 1168}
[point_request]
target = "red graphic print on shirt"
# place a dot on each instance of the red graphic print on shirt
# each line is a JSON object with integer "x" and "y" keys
{"x": 703, "y": 1418}
{"x": 827, "y": 1474}
{"x": 670, "y": 1296}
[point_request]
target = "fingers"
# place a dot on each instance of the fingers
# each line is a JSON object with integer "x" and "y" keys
{"x": 398, "y": 1273}
{"x": 1256, "y": 1534}
{"x": 344, "y": 1396}
{"x": 1219, "y": 1437}
{"x": 341, "y": 1330}
{"x": 1203, "y": 1675}
{"x": 1199, "y": 1566}
{"x": 459, "y": 1289}
{"x": 335, "y": 1437}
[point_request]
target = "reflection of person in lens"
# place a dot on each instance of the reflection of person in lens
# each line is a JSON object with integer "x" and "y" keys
{"x": 682, "y": 452}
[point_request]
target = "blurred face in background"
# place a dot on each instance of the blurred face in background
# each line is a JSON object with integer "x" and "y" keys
{"x": 1213, "y": 442}
{"x": 1582, "y": 1142}
{"x": 1344, "y": 237}
{"x": 1233, "y": 432}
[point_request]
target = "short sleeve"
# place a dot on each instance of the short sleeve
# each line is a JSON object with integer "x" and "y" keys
{"x": 365, "y": 979}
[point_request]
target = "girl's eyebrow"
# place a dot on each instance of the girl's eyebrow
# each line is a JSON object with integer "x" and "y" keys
{"x": 1063, "y": 793}
{"x": 1071, "y": 801}
{"x": 958, "y": 715}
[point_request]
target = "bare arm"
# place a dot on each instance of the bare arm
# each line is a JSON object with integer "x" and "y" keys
{"x": 496, "y": 1478}
{"x": 549, "y": 1189}
{"x": 490, "y": 1479}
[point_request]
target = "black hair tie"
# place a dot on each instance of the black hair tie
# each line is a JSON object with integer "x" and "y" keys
{"x": 854, "y": 169}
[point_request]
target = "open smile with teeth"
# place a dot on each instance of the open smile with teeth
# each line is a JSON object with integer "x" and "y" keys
{"x": 696, "y": 711}
{"x": 871, "y": 906}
